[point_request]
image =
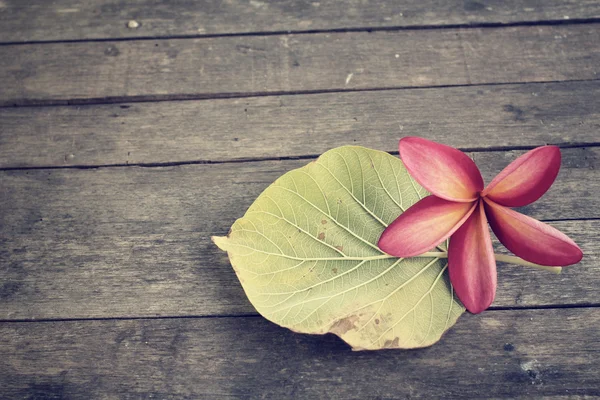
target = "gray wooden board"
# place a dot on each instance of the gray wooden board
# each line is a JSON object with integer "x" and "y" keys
{"x": 508, "y": 354}
{"x": 298, "y": 125}
{"x": 133, "y": 241}
{"x": 22, "y": 21}
{"x": 226, "y": 66}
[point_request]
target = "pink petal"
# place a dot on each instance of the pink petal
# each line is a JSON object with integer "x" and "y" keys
{"x": 471, "y": 263}
{"x": 526, "y": 179}
{"x": 423, "y": 226}
{"x": 443, "y": 170}
{"x": 530, "y": 239}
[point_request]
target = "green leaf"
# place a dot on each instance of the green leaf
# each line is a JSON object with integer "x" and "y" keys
{"x": 306, "y": 254}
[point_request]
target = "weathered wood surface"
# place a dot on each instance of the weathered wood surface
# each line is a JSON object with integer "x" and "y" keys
{"x": 93, "y": 252}
{"x": 504, "y": 116}
{"x": 132, "y": 241}
{"x": 508, "y": 354}
{"x": 227, "y": 66}
{"x": 30, "y": 20}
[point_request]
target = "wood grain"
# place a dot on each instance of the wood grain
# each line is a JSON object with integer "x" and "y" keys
{"x": 132, "y": 241}
{"x": 502, "y": 116}
{"x": 231, "y": 66}
{"x": 25, "y": 21}
{"x": 508, "y": 354}
{"x": 94, "y": 254}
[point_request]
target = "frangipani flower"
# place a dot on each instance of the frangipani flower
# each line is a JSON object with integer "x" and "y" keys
{"x": 460, "y": 208}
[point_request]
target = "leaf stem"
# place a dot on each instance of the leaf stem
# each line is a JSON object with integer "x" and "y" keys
{"x": 519, "y": 261}
{"x": 438, "y": 254}
{"x": 502, "y": 258}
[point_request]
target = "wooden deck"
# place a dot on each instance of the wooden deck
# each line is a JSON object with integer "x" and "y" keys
{"x": 123, "y": 149}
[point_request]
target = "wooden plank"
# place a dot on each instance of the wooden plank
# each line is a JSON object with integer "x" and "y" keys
{"x": 227, "y": 66}
{"x": 131, "y": 241}
{"x": 564, "y": 113}
{"x": 498, "y": 354}
{"x": 24, "y": 21}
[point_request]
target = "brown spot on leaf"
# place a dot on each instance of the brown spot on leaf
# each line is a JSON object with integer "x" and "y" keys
{"x": 392, "y": 344}
{"x": 376, "y": 321}
{"x": 323, "y": 221}
{"x": 321, "y": 236}
{"x": 340, "y": 248}
{"x": 343, "y": 325}
{"x": 334, "y": 270}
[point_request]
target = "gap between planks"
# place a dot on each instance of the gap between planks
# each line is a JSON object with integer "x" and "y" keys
{"x": 369, "y": 29}
{"x": 219, "y": 96}
{"x": 256, "y": 315}
{"x": 262, "y": 159}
